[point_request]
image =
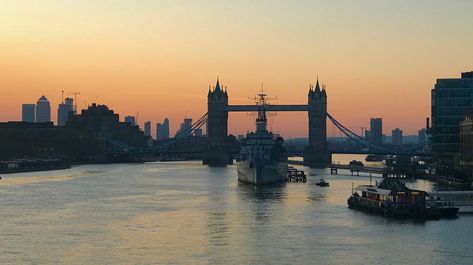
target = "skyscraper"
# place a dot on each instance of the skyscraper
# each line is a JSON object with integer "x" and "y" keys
{"x": 450, "y": 98}
{"x": 28, "y": 112}
{"x": 186, "y": 127}
{"x": 397, "y": 136}
{"x": 43, "y": 110}
{"x": 162, "y": 130}
{"x": 131, "y": 120}
{"x": 376, "y": 131}
{"x": 64, "y": 110}
{"x": 147, "y": 128}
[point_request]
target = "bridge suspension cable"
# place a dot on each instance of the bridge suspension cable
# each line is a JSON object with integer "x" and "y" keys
{"x": 355, "y": 137}
{"x": 363, "y": 142}
{"x": 183, "y": 135}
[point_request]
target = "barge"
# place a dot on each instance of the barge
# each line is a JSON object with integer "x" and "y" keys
{"x": 392, "y": 198}
{"x": 29, "y": 165}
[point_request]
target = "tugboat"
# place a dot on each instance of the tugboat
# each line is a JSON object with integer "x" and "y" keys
{"x": 322, "y": 183}
{"x": 262, "y": 159}
{"x": 392, "y": 198}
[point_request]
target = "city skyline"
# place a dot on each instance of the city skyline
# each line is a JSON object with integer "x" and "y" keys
{"x": 146, "y": 59}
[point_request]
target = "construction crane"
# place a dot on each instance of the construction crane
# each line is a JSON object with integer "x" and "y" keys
{"x": 75, "y": 100}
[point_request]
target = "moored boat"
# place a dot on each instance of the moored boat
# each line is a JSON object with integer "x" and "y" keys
{"x": 393, "y": 199}
{"x": 262, "y": 159}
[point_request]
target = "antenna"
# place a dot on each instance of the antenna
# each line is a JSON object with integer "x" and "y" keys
{"x": 62, "y": 96}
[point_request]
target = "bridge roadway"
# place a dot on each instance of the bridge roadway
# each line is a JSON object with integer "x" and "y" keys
{"x": 246, "y": 108}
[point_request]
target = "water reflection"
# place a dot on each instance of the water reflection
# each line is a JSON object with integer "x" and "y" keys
{"x": 186, "y": 213}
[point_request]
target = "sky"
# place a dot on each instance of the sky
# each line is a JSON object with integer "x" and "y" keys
{"x": 156, "y": 59}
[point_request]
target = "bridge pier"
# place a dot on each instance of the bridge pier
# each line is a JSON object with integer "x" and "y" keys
{"x": 316, "y": 154}
{"x": 217, "y": 152}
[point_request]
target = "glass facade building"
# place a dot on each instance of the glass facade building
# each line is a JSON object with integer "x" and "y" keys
{"x": 450, "y": 98}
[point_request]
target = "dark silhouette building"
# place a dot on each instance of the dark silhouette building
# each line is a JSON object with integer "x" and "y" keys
{"x": 466, "y": 147}
{"x": 217, "y": 152}
{"x": 147, "y": 128}
{"x": 162, "y": 130}
{"x": 376, "y": 131}
{"x": 29, "y": 140}
{"x": 450, "y": 98}
{"x": 64, "y": 111}
{"x": 28, "y": 112}
{"x": 316, "y": 153}
{"x": 43, "y": 110}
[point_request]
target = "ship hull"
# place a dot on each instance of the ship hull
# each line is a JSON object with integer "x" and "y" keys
{"x": 261, "y": 172}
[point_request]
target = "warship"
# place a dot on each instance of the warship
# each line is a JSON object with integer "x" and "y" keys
{"x": 262, "y": 159}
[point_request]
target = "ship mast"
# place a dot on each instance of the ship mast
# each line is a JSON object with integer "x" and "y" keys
{"x": 261, "y": 121}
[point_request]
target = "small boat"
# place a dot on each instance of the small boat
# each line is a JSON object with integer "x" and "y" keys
{"x": 322, "y": 183}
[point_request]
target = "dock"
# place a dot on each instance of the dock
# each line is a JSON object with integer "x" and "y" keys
{"x": 295, "y": 175}
{"x": 355, "y": 169}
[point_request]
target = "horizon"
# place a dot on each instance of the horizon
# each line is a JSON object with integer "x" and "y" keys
{"x": 157, "y": 58}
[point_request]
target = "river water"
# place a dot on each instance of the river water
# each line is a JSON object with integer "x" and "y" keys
{"x": 186, "y": 213}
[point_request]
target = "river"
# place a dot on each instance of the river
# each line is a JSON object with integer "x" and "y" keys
{"x": 186, "y": 213}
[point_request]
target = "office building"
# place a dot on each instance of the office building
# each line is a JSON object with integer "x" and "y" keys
{"x": 147, "y": 128}
{"x": 162, "y": 130}
{"x": 396, "y": 137}
{"x": 28, "y": 112}
{"x": 43, "y": 110}
{"x": 466, "y": 147}
{"x": 186, "y": 127}
{"x": 64, "y": 111}
{"x": 131, "y": 120}
{"x": 450, "y": 98}
{"x": 376, "y": 131}
{"x": 198, "y": 132}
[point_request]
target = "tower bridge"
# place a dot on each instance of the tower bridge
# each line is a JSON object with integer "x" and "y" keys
{"x": 217, "y": 152}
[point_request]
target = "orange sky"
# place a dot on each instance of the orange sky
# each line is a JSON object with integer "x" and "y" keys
{"x": 157, "y": 58}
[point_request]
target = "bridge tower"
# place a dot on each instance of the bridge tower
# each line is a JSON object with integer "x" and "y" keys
{"x": 316, "y": 154}
{"x": 217, "y": 152}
